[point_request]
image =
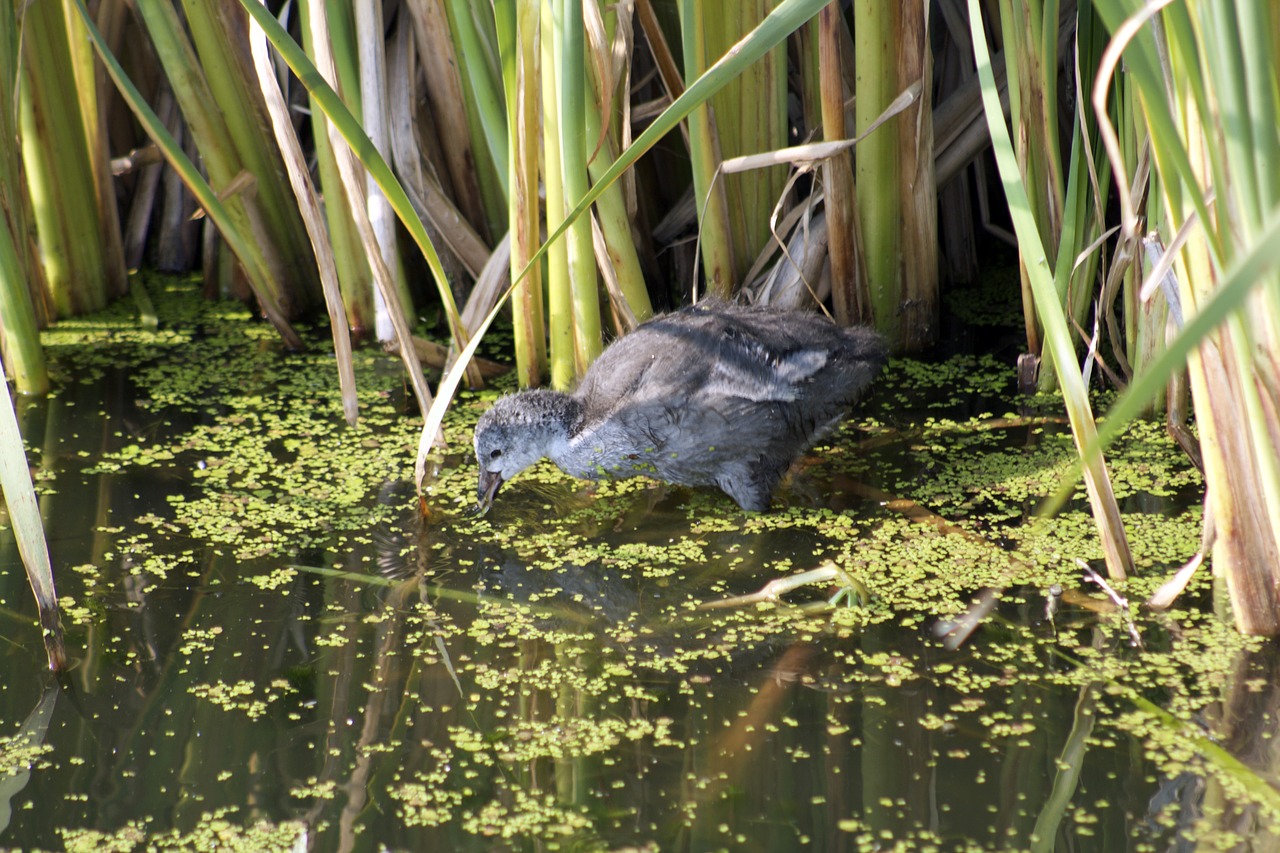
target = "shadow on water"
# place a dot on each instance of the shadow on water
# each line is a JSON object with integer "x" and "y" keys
{"x": 277, "y": 653}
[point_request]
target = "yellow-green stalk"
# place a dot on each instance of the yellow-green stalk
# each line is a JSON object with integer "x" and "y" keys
{"x": 354, "y": 277}
{"x": 89, "y": 86}
{"x": 715, "y": 233}
{"x": 559, "y": 291}
{"x": 750, "y": 118}
{"x": 19, "y": 332}
{"x": 19, "y": 335}
{"x": 876, "y": 32}
{"x": 611, "y": 208}
{"x": 486, "y": 117}
{"x": 217, "y": 32}
{"x": 60, "y": 179}
{"x": 226, "y": 170}
{"x": 517, "y": 26}
{"x": 571, "y": 79}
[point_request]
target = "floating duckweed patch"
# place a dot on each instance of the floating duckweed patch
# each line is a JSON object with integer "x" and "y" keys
{"x": 243, "y": 697}
{"x": 215, "y": 831}
{"x": 19, "y": 755}
{"x": 942, "y": 385}
{"x": 277, "y": 643}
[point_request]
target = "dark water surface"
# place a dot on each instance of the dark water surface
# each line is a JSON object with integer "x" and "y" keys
{"x": 274, "y": 650}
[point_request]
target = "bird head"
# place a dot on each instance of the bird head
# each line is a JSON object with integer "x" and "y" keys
{"x": 514, "y": 434}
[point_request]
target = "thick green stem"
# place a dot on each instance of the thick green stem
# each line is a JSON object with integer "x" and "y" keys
{"x": 60, "y": 179}
{"x": 571, "y": 97}
{"x": 875, "y": 30}
{"x": 517, "y": 41}
{"x": 714, "y": 232}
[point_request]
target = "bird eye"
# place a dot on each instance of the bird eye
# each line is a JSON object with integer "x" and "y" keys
{"x": 495, "y": 454}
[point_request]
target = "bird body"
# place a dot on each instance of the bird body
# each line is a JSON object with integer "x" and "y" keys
{"x": 714, "y": 394}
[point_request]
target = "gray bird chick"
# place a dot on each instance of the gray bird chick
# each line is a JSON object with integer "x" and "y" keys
{"x": 712, "y": 395}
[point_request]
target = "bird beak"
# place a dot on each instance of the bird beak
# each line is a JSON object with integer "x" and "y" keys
{"x": 490, "y": 482}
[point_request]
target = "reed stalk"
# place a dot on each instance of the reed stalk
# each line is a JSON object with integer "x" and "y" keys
{"x": 22, "y": 354}
{"x": 850, "y": 299}
{"x": 218, "y": 36}
{"x": 1139, "y": 348}
{"x": 750, "y": 117}
{"x": 91, "y": 89}
{"x": 1019, "y": 71}
{"x": 228, "y": 218}
{"x": 571, "y": 77}
{"x": 518, "y": 25}
{"x": 876, "y": 33}
{"x": 917, "y": 187}
{"x": 23, "y": 357}
{"x": 486, "y": 115}
{"x": 715, "y": 234}
{"x": 619, "y": 261}
{"x": 59, "y": 176}
{"x": 355, "y": 280}
{"x": 371, "y": 48}
{"x": 559, "y": 292}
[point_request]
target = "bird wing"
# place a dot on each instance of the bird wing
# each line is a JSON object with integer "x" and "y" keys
{"x": 693, "y": 395}
{"x": 709, "y": 357}
{"x": 749, "y": 371}
{"x": 728, "y": 361}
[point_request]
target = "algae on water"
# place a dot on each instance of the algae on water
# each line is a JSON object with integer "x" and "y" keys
{"x": 283, "y": 641}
